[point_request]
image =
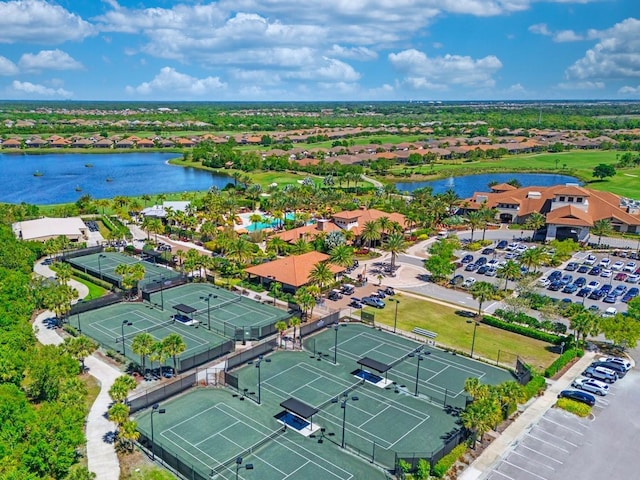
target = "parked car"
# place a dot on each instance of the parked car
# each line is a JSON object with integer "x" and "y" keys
{"x": 610, "y": 312}
{"x": 578, "y": 396}
{"x": 544, "y": 282}
{"x": 630, "y": 267}
{"x": 348, "y": 289}
{"x": 616, "y": 367}
{"x": 600, "y": 373}
{"x": 590, "y": 385}
{"x": 633, "y": 278}
{"x": 555, "y": 286}
{"x": 594, "y": 285}
{"x": 488, "y": 251}
{"x": 622, "y": 361}
{"x": 555, "y": 275}
{"x": 617, "y": 266}
{"x": 597, "y": 295}
{"x": 571, "y": 267}
{"x": 606, "y": 273}
{"x": 355, "y": 303}
{"x": 502, "y": 244}
{"x": 583, "y": 269}
{"x": 492, "y": 272}
{"x": 373, "y": 302}
{"x": 571, "y": 288}
{"x": 630, "y": 295}
{"x": 467, "y": 259}
{"x": 566, "y": 279}
{"x": 381, "y": 293}
{"x": 483, "y": 269}
{"x": 584, "y": 292}
{"x": 604, "y": 263}
{"x": 468, "y": 283}
{"x": 334, "y": 294}
{"x": 610, "y": 299}
{"x": 481, "y": 261}
{"x": 595, "y": 271}
{"x": 580, "y": 282}
{"x": 590, "y": 260}
{"x": 471, "y": 267}
{"x": 456, "y": 280}
{"x": 390, "y": 291}
{"x": 620, "y": 277}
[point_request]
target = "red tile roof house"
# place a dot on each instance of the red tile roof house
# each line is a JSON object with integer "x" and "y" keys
{"x": 570, "y": 210}
{"x": 292, "y": 271}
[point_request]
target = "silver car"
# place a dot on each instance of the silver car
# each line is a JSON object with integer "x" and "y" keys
{"x": 591, "y": 385}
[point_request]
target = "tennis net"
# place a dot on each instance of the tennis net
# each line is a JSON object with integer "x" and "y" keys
{"x": 344, "y": 393}
{"x": 228, "y": 302}
{"x": 149, "y": 329}
{"x": 253, "y": 448}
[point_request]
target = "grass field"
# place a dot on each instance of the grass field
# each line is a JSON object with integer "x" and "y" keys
{"x": 456, "y": 332}
{"x": 95, "y": 291}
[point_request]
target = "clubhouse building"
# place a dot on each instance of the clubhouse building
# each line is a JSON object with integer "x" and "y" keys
{"x": 570, "y": 210}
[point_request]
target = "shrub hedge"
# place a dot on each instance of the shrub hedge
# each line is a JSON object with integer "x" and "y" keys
{"x": 522, "y": 330}
{"x": 562, "y": 360}
{"x": 92, "y": 279}
{"x": 445, "y": 463}
{"x": 571, "y": 406}
{"x": 535, "y": 387}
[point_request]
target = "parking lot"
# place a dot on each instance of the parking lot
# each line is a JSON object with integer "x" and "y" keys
{"x": 561, "y": 445}
{"x": 613, "y": 278}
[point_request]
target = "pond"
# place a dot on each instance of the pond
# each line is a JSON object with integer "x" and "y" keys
{"x": 467, "y": 185}
{"x": 63, "y": 177}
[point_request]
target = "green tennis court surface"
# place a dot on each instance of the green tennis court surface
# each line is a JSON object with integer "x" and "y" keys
{"x": 228, "y": 313}
{"x": 209, "y": 428}
{"x": 103, "y": 265}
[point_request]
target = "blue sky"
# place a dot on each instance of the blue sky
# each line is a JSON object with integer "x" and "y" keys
{"x": 319, "y": 50}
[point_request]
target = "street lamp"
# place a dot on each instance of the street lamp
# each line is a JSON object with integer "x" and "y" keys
{"x": 258, "y": 364}
{"x": 248, "y": 466}
{"x": 395, "y": 318}
{"x": 162, "y": 292}
{"x": 79, "y": 326}
{"x": 343, "y": 406}
{"x": 128, "y": 324}
{"x": 473, "y": 340}
{"x": 208, "y": 300}
{"x": 99, "y": 265}
{"x": 155, "y": 409}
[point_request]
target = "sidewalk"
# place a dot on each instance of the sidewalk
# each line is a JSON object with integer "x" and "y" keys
{"x": 101, "y": 455}
{"x": 483, "y": 465}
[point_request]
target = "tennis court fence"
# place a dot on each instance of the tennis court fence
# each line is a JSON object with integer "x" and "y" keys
{"x": 152, "y": 396}
{"x": 171, "y": 461}
{"x": 83, "y": 306}
{"x": 153, "y": 286}
{"x": 206, "y": 354}
{"x": 82, "y": 252}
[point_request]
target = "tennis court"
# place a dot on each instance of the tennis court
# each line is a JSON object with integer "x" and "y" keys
{"x": 103, "y": 266}
{"x": 209, "y": 429}
{"x": 227, "y": 313}
{"x": 108, "y": 324}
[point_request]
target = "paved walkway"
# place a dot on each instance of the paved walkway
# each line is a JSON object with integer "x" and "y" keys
{"x": 483, "y": 465}
{"x": 101, "y": 455}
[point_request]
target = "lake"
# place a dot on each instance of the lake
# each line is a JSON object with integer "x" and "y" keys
{"x": 65, "y": 178}
{"x": 467, "y": 185}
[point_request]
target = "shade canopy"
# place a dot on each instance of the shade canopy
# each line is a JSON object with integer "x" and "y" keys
{"x": 374, "y": 364}
{"x": 299, "y": 408}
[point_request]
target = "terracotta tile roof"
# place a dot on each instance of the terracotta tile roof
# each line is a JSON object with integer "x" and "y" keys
{"x": 308, "y": 231}
{"x": 569, "y": 215}
{"x": 571, "y": 190}
{"x": 293, "y": 270}
{"x": 503, "y": 187}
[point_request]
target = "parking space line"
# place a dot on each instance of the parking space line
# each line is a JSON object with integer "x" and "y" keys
{"x": 548, "y": 443}
{"x": 532, "y": 460}
{"x": 524, "y": 470}
{"x": 561, "y": 425}
{"x": 540, "y": 453}
{"x": 504, "y": 475}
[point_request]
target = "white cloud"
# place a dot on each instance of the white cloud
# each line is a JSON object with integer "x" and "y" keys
{"x": 581, "y": 85}
{"x": 354, "y": 53}
{"x": 628, "y": 90}
{"x": 39, "y": 21}
{"x": 423, "y": 72}
{"x": 540, "y": 29}
{"x": 48, "y": 60}
{"x": 615, "y": 56}
{"x": 328, "y": 69}
{"x": 170, "y": 83}
{"x": 7, "y": 67}
{"x": 35, "y": 90}
{"x": 559, "y": 36}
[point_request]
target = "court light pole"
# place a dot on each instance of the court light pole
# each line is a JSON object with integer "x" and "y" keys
{"x": 155, "y": 409}
{"x": 128, "y": 324}
{"x": 258, "y": 366}
{"x": 248, "y": 466}
{"x": 343, "y": 406}
{"x": 419, "y": 358}
{"x": 79, "y": 326}
{"x": 162, "y": 292}
{"x": 395, "y": 318}
{"x": 336, "y": 327}
{"x": 207, "y": 299}
{"x": 473, "y": 340}
{"x": 100, "y": 265}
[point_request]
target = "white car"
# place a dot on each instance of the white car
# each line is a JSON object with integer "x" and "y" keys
{"x": 629, "y": 267}
{"x": 544, "y": 282}
{"x": 610, "y": 312}
{"x": 618, "y": 266}
{"x": 590, "y": 260}
{"x": 604, "y": 262}
{"x": 521, "y": 248}
{"x": 594, "y": 285}
{"x": 633, "y": 278}
{"x": 468, "y": 283}
{"x": 620, "y": 361}
{"x": 606, "y": 273}
{"x": 591, "y": 385}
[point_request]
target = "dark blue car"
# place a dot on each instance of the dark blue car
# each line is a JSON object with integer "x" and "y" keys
{"x": 578, "y": 396}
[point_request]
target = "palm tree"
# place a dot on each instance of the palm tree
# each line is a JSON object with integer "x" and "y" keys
{"x": 118, "y": 413}
{"x": 145, "y": 198}
{"x": 601, "y": 228}
{"x": 481, "y": 415}
{"x": 509, "y": 271}
{"x": 277, "y": 245}
{"x": 276, "y": 289}
{"x": 488, "y": 216}
{"x": 299, "y": 247}
{"x": 395, "y": 244}
{"x": 157, "y": 355}
{"x": 174, "y": 345}
{"x": 371, "y": 233}
{"x": 585, "y": 323}
{"x": 294, "y": 322}
{"x": 255, "y": 219}
{"x": 281, "y": 326}
{"x": 240, "y": 250}
{"x": 475, "y": 220}
{"x": 79, "y": 348}
{"x": 128, "y": 433}
{"x": 385, "y": 224}
{"x": 481, "y": 292}
{"x": 142, "y": 345}
{"x": 321, "y": 274}
{"x": 535, "y": 222}
{"x": 121, "y": 387}
{"x": 509, "y": 394}
{"x": 63, "y": 271}
{"x": 342, "y": 255}
{"x": 532, "y": 258}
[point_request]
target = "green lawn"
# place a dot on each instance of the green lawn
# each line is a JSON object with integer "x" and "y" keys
{"x": 578, "y": 163}
{"x": 95, "y": 291}
{"x": 456, "y": 332}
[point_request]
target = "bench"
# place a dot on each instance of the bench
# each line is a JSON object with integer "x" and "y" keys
{"x": 426, "y": 333}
